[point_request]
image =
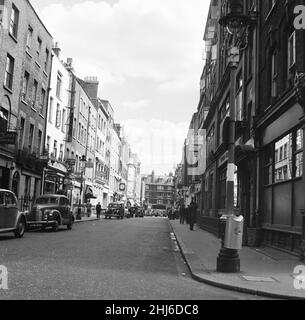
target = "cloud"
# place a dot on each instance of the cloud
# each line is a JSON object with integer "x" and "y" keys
{"x": 132, "y": 38}
{"x": 135, "y": 105}
{"x": 158, "y": 143}
{"x": 148, "y": 57}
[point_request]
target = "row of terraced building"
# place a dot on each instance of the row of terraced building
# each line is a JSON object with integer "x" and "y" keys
{"x": 269, "y": 180}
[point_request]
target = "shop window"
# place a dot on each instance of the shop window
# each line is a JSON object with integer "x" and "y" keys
{"x": 283, "y": 167}
{"x": 284, "y": 158}
{"x": 299, "y": 154}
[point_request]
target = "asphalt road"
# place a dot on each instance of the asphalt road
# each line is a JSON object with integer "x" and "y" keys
{"x": 134, "y": 259}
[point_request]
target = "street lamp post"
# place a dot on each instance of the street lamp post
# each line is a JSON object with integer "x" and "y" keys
{"x": 235, "y": 22}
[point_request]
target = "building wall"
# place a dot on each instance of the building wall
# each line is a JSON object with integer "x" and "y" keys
{"x": 279, "y": 125}
{"x": 27, "y": 167}
{"x": 57, "y": 127}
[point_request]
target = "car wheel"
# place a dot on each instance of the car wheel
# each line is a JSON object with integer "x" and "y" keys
{"x": 55, "y": 227}
{"x": 19, "y": 232}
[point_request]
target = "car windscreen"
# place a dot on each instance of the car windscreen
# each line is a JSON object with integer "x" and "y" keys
{"x": 114, "y": 206}
{"x": 47, "y": 201}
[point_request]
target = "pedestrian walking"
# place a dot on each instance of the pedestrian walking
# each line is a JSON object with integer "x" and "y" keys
{"x": 193, "y": 214}
{"x": 98, "y": 210}
{"x": 182, "y": 214}
{"x": 88, "y": 209}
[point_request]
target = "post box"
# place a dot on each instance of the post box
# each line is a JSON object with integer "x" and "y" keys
{"x": 234, "y": 232}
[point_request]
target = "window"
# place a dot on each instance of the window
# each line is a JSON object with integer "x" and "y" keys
{"x": 39, "y": 141}
{"x": 42, "y": 101}
{"x": 63, "y": 127}
{"x": 58, "y": 85}
{"x": 58, "y": 116}
{"x": 39, "y": 45}
{"x": 274, "y": 74}
{"x": 29, "y": 38}
{"x": 79, "y": 132}
{"x": 282, "y": 167}
{"x": 51, "y": 110}
{"x": 61, "y": 152}
{"x": 55, "y": 149}
{"x": 46, "y": 63}
{"x": 21, "y": 133}
{"x": 34, "y": 94}
{"x": 9, "y": 72}
{"x": 291, "y": 50}
{"x": 3, "y": 119}
{"x": 31, "y": 136}
{"x": 25, "y": 85}
{"x": 299, "y": 154}
{"x": 48, "y": 144}
{"x": 74, "y": 127}
{"x": 210, "y": 140}
{"x": 239, "y": 97}
{"x": 289, "y": 153}
{"x": 14, "y": 21}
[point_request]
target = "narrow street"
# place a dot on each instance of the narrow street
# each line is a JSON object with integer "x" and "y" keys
{"x": 132, "y": 259}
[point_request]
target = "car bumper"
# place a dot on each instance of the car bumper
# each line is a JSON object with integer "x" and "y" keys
{"x": 35, "y": 224}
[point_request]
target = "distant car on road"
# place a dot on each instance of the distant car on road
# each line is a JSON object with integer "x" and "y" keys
{"x": 51, "y": 211}
{"x": 140, "y": 212}
{"x": 115, "y": 210}
{"x": 11, "y": 219}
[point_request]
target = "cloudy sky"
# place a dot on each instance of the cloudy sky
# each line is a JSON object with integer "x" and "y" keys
{"x": 147, "y": 55}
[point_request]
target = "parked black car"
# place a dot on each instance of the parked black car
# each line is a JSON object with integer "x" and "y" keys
{"x": 51, "y": 211}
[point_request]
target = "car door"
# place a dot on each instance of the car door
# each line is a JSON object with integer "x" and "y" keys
{"x": 11, "y": 210}
{"x": 3, "y": 210}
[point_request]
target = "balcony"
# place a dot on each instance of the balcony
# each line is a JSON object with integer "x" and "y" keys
{"x": 30, "y": 160}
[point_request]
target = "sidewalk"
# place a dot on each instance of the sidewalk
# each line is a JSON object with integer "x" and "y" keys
{"x": 86, "y": 219}
{"x": 264, "y": 271}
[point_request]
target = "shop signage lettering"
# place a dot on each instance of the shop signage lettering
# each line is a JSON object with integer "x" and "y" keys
{"x": 299, "y": 21}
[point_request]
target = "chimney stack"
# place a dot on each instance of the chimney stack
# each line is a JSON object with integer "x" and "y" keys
{"x": 91, "y": 87}
{"x": 56, "y": 49}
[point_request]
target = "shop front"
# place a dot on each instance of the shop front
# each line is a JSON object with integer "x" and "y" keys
{"x": 283, "y": 185}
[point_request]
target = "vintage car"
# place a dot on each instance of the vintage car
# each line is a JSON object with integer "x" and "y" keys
{"x": 11, "y": 219}
{"x": 115, "y": 210}
{"x": 140, "y": 212}
{"x": 51, "y": 211}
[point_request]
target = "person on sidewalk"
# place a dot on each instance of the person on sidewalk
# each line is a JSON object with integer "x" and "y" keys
{"x": 182, "y": 214}
{"x": 98, "y": 210}
{"x": 193, "y": 214}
